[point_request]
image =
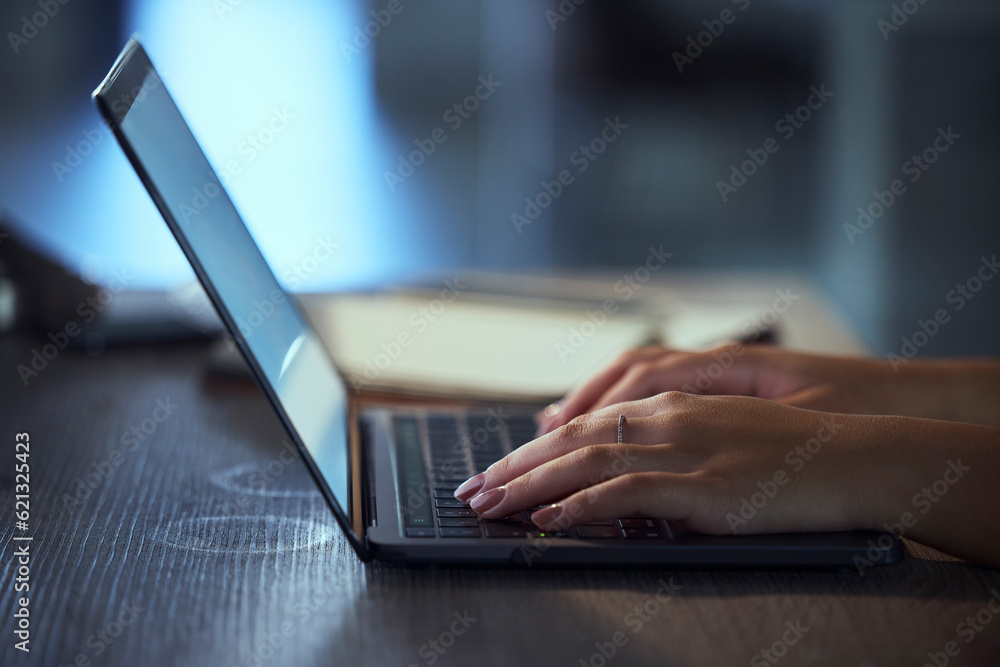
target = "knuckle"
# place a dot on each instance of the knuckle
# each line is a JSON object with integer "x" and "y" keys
{"x": 681, "y": 403}
{"x": 674, "y": 398}
{"x": 629, "y": 485}
{"x": 565, "y": 437}
{"x": 674, "y": 406}
{"x": 664, "y": 451}
{"x": 522, "y": 483}
{"x": 499, "y": 470}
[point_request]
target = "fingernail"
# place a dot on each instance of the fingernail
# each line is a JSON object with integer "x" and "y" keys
{"x": 469, "y": 487}
{"x": 547, "y": 515}
{"x": 487, "y": 501}
{"x": 545, "y": 416}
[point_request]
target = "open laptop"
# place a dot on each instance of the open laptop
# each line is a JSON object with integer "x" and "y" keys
{"x": 388, "y": 474}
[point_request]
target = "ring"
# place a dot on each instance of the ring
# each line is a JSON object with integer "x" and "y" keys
{"x": 621, "y": 428}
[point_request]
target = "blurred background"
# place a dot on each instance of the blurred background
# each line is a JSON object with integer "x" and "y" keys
{"x": 322, "y": 106}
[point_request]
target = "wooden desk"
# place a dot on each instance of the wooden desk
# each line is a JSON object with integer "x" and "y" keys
{"x": 208, "y": 543}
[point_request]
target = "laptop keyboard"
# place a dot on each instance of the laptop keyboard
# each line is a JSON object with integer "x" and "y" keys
{"x": 437, "y": 452}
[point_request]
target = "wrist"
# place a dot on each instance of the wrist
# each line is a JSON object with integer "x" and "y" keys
{"x": 878, "y": 466}
{"x": 904, "y": 466}
{"x": 950, "y": 390}
{"x": 916, "y": 389}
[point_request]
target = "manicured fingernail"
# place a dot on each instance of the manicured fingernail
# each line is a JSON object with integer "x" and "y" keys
{"x": 469, "y": 487}
{"x": 547, "y": 515}
{"x": 545, "y": 417}
{"x": 487, "y": 501}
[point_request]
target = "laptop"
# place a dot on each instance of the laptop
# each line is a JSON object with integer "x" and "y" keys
{"x": 388, "y": 473}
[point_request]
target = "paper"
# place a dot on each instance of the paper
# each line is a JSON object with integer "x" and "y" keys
{"x": 470, "y": 349}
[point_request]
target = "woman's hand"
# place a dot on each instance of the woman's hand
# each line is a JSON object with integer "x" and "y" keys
{"x": 953, "y": 390}
{"x": 717, "y": 464}
{"x": 735, "y": 465}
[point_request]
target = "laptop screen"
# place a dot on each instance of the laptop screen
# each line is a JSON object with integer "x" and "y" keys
{"x": 289, "y": 359}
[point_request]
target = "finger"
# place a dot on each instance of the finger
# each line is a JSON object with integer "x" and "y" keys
{"x": 640, "y": 381}
{"x": 581, "y": 432}
{"x": 663, "y": 495}
{"x": 548, "y": 411}
{"x": 731, "y": 369}
{"x": 579, "y": 401}
{"x": 666, "y": 405}
{"x": 641, "y": 427}
{"x": 567, "y": 474}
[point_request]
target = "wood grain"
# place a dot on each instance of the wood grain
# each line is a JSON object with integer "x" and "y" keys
{"x": 225, "y": 546}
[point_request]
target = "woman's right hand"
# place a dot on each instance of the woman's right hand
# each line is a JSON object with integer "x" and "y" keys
{"x": 954, "y": 390}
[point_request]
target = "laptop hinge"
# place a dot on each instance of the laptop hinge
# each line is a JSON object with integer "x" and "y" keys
{"x": 359, "y": 485}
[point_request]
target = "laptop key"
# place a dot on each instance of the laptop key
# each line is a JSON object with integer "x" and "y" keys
{"x": 449, "y": 502}
{"x": 504, "y": 530}
{"x": 449, "y": 463}
{"x": 640, "y": 523}
{"x": 644, "y": 533}
{"x": 453, "y": 512}
{"x": 514, "y": 519}
{"x": 458, "y": 523}
{"x": 420, "y": 532}
{"x": 598, "y": 532}
{"x": 442, "y": 468}
{"x": 486, "y": 461}
{"x": 452, "y": 481}
{"x": 460, "y": 532}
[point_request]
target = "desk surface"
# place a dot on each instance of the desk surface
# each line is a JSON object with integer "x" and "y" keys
{"x": 202, "y": 544}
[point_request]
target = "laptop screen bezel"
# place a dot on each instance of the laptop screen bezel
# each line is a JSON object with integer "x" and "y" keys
{"x": 114, "y": 98}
